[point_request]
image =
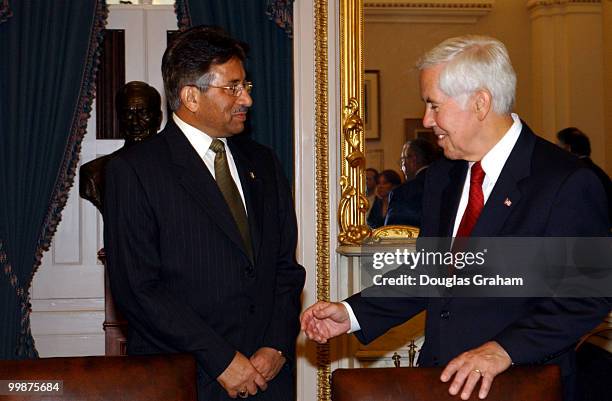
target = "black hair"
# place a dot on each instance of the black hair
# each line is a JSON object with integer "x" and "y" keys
{"x": 189, "y": 56}
{"x": 392, "y": 177}
{"x": 577, "y": 141}
{"x": 372, "y": 170}
{"x": 424, "y": 151}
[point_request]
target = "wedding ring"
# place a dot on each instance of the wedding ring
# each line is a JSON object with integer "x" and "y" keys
{"x": 479, "y": 372}
{"x": 243, "y": 394}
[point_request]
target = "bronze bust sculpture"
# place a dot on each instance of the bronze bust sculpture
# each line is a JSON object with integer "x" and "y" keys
{"x": 138, "y": 107}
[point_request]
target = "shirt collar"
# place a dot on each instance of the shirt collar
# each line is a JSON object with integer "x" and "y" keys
{"x": 419, "y": 170}
{"x": 493, "y": 162}
{"x": 200, "y": 140}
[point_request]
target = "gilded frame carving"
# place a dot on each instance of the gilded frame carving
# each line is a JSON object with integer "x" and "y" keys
{"x": 322, "y": 185}
{"x": 353, "y": 203}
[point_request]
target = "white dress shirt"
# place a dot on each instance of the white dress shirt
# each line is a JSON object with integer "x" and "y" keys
{"x": 492, "y": 163}
{"x": 201, "y": 143}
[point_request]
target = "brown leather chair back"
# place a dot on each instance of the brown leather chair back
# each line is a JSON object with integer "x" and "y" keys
{"x": 102, "y": 378}
{"x": 541, "y": 383}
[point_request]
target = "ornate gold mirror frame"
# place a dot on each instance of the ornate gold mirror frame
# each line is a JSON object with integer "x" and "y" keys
{"x": 322, "y": 185}
{"x": 353, "y": 203}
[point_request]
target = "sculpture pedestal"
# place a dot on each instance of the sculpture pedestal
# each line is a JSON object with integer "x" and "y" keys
{"x": 115, "y": 326}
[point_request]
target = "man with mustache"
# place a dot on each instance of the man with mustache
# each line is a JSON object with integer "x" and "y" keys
{"x": 200, "y": 231}
{"x": 498, "y": 180}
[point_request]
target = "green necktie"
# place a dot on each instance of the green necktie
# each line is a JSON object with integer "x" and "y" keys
{"x": 230, "y": 192}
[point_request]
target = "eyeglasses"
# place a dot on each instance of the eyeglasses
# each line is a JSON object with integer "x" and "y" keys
{"x": 237, "y": 88}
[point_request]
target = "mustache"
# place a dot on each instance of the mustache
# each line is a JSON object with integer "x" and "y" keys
{"x": 241, "y": 109}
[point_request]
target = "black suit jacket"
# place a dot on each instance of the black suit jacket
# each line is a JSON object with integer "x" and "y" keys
{"x": 605, "y": 181}
{"x": 406, "y": 202}
{"x": 552, "y": 195}
{"x": 177, "y": 265}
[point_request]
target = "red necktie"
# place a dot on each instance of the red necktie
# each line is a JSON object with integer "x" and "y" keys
{"x": 475, "y": 202}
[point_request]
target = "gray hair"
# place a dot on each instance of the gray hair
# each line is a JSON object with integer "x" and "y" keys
{"x": 201, "y": 83}
{"x": 474, "y": 63}
{"x": 205, "y": 80}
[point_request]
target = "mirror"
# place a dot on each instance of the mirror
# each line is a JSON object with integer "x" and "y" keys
{"x": 353, "y": 205}
{"x": 381, "y": 40}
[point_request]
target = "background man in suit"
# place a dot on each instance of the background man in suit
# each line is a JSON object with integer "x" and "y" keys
{"x": 139, "y": 113}
{"x": 200, "y": 231}
{"x": 498, "y": 179}
{"x": 405, "y": 201}
{"x": 577, "y": 142}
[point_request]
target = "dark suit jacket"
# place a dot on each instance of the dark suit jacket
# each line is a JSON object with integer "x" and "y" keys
{"x": 552, "y": 195}
{"x": 375, "y": 218}
{"x": 405, "y": 202}
{"x": 605, "y": 181}
{"x": 178, "y": 268}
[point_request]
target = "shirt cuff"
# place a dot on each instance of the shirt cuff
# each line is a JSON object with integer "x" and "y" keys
{"x": 354, "y": 323}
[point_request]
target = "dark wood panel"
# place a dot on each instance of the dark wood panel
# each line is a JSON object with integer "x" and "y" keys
{"x": 115, "y": 325}
{"x": 111, "y": 77}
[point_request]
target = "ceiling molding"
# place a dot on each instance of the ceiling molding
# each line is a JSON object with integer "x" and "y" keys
{"x": 536, "y": 3}
{"x": 441, "y": 11}
{"x": 546, "y": 8}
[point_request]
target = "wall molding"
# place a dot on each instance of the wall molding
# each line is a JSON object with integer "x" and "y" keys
{"x": 68, "y": 305}
{"x": 535, "y": 3}
{"x": 546, "y": 8}
{"x": 442, "y": 11}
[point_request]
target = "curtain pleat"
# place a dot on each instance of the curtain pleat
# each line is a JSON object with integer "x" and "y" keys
{"x": 50, "y": 52}
{"x": 269, "y": 66}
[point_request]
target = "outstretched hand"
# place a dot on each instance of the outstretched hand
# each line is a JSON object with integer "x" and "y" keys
{"x": 325, "y": 320}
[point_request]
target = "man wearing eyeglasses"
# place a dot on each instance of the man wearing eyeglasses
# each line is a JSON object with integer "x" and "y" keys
{"x": 201, "y": 232}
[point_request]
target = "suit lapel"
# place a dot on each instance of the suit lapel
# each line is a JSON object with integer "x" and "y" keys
{"x": 506, "y": 194}
{"x": 253, "y": 193}
{"x": 194, "y": 177}
{"x": 451, "y": 195}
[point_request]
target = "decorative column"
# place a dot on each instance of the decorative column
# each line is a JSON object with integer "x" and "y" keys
{"x": 567, "y": 50}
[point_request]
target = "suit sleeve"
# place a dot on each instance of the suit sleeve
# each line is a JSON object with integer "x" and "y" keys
{"x": 554, "y": 325}
{"x": 131, "y": 237}
{"x": 290, "y": 276}
{"x": 377, "y": 315}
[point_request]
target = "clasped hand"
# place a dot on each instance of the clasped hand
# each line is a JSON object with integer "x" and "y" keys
{"x": 325, "y": 320}
{"x": 251, "y": 374}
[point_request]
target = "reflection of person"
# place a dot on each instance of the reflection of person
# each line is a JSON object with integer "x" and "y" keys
{"x": 200, "y": 231}
{"x": 371, "y": 180}
{"x": 499, "y": 180}
{"x": 139, "y": 113}
{"x": 387, "y": 181}
{"x": 577, "y": 142}
{"x": 405, "y": 201}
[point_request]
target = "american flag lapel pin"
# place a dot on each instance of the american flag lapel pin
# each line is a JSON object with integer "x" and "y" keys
{"x": 508, "y": 202}
{"x": 252, "y": 174}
